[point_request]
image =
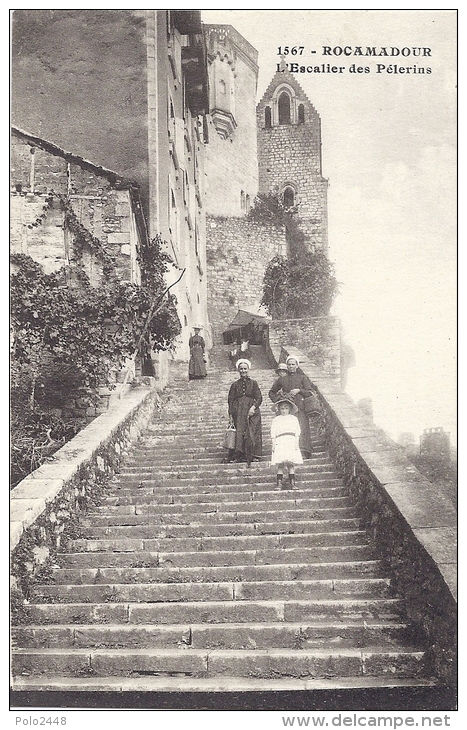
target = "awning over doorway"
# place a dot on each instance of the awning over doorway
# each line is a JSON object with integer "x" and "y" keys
{"x": 246, "y": 326}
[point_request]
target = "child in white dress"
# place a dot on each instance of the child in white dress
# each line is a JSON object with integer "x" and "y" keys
{"x": 285, "y": 434}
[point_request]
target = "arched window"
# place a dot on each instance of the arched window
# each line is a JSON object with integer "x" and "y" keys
{"x": 242, "y": 200}
{"x": 301, "y": 114}
{"x": 247, "y": 203}
{"x": 284, "y": 108}
{"x": 288, "y": 197}
{"x": 222, "y": 86}
{"x": 267, "y": 117}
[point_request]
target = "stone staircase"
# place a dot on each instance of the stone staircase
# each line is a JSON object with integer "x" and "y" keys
{"x": 195, "y": 575}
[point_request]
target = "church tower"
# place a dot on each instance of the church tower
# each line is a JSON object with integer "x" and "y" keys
{"x": 289, "y": 155}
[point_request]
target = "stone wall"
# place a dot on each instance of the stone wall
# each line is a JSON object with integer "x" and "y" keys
{"x": 47, "y": 503}
{"x": 411, "y": 523}
{"x": 238, "y": 252}
{"x": 318, "y": 337}
{"x": 79, "y": 79}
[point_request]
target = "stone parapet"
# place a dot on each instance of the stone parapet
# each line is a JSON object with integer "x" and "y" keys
{"x": 50, "y": 499}
{"x": 412, "y": 524}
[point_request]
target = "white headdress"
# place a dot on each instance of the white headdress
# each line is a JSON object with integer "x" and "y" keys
{"x": 243, "y": 361}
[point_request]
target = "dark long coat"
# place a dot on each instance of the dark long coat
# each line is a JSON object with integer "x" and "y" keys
{"x": 243, "y": 394}
{"x": 196, "y": 366}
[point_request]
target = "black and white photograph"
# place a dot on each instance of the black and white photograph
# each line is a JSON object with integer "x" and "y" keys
{"x": 233, "y": 367}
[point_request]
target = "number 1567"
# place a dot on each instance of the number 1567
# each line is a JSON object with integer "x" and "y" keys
{"x": 293, "y": 50}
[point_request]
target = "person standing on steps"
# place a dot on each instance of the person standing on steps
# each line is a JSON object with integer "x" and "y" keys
{"x": 285, "y": 435}
{"x": 281, "y": 370}
{"x": 197, "y": 364}
{"x": 297, "y": 385}
{"x": 244, "y": 400}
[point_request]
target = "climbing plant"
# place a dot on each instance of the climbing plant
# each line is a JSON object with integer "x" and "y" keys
{"x": 302, "y": 284}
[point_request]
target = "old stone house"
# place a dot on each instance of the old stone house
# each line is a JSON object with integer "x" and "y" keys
{"x": 128, "y": 90}
{"x": 43, "y": 177}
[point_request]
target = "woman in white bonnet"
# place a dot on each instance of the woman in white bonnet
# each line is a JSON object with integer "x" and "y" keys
{"x": 244, "y": 401}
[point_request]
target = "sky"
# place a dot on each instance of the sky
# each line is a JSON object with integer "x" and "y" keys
{"x": 389, "y": 153}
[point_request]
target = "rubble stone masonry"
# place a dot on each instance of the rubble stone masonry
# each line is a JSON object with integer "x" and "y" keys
{"x": 238, "y": 252}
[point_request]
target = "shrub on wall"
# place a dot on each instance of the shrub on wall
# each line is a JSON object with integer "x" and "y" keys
{"x": 295, "y": 288}
{"x": 303, "y": 284}
{"x": 68, "y": 335}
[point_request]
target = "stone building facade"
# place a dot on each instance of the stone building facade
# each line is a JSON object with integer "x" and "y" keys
{"x": 126, "y": 89}
{"x": 289, "y": 155}
{"x": 231, "y": 155}
{"x": 43, "y": 176}
{"x": 238, "y": 248}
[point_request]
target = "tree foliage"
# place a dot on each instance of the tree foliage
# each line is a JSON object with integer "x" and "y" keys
{"x": 269, "y": 208}
{"x": 93, "y": 328}
{"x": 303, "y": 284}
{"x": 299, "y": 288}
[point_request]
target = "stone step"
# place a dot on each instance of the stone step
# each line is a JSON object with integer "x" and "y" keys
{"x": 204, "y": 495}
{"x": 315, "y": 466}
{"x": 251, "y": 502}
{"x": 199, "y": 529}
{"x": 155, "y": 442}
{"x": 222, "y": 473}
{"x": 318, "y": 635}
{"x": 238, "y": 516}
{"x": 230, "y": 685}
{"x": 104, "y": 542}
{"x": 122, "y": 572}
{"x": 216, "y": 457}
{"x": 339, "y": 553}
{"x": 233, "y": 492}
{"x": 218, "y": 591}
{"x": 163, "y": 460}
{"x": 240, "y": 474}
{"x": 242, "y": 482}
{"x": 214, "y": 612}
{"x": 298, "y": 663}
{"x": 200, "y": 541}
